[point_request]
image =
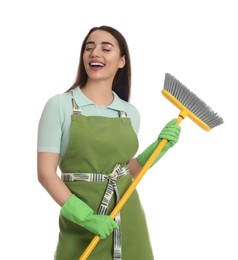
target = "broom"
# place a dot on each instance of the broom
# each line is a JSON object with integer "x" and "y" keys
{"x": 190, "y": 105}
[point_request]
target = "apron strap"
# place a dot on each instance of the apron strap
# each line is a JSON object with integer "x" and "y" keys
{"x": 76, "y": 108}
{"x": 111, "y": 188}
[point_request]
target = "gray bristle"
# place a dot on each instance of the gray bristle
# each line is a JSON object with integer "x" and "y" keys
{"x": 192, "y": 102}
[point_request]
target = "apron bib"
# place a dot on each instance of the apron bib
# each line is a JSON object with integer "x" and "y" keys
{"x": 96, "y": 145}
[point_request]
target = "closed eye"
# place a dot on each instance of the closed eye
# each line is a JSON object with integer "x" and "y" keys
{"x": 89, "y": 49}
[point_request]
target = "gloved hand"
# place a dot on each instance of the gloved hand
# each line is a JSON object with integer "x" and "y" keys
{"x": 170, "y": 132}
{"x": 80, "y": 213}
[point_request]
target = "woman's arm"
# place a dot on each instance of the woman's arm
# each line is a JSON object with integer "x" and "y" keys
{"x": 134, "y": 167}
{"x": 47, "y": 164}
{"x": 171, "y": 133}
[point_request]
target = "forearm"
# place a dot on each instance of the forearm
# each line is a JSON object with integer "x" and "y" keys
{"x": 171, "y": 133}
{"x": 47, "y": 176}
{"x": 55, "y": 187}
{"x": 134, "y": 167}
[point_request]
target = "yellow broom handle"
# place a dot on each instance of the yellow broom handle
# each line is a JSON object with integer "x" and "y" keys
{"x": 129, "y": 191}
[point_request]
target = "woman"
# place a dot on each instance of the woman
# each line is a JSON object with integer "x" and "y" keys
{"x": 90, "y": 132}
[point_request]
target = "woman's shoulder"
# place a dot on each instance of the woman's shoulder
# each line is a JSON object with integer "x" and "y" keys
{"x": 58, "y": 105}
{"x": 125, "y": 106}
{"x": 130, "y": 109}
{"x": 59, "y": 100}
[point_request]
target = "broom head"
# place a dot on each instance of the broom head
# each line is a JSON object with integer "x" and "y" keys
{"x": 190, "y": 104}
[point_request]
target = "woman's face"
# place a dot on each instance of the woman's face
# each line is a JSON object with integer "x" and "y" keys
{"x": 102, "y": 56}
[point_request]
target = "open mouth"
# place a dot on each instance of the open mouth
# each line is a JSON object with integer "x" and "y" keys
{"x": 96, "y": 64}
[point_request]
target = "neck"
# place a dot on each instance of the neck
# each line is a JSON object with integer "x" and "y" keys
{"x": 100, "y": 93}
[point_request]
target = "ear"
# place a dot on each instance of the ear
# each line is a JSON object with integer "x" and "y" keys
{"x": 122, "y": 62}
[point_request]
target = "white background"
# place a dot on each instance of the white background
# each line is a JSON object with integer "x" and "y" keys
{"x": 190, "y": 196}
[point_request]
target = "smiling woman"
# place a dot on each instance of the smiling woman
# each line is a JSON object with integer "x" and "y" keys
{"x": 90, "y": 133}
{"x": 102, "y": 59}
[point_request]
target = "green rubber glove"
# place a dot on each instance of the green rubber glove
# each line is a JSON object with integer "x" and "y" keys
{"x": 81, "y": 214}
{"x": 170, "y": 132}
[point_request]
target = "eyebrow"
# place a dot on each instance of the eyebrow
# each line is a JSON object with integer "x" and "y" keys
{"x": 103, "y": 43}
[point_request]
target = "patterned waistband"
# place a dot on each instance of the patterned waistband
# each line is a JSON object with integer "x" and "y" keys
{"x": 117, "y": 172}
{"x": 111, "y": 189}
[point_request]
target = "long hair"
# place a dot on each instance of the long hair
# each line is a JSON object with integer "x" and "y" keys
{"x": 122, "y": 81}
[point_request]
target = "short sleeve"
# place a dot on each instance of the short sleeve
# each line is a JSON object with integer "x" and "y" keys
{"x": 49, "y": 128}
{"x": 134, "y": 115}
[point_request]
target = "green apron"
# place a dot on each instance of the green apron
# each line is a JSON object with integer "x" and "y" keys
{"x": 96, "y": 145}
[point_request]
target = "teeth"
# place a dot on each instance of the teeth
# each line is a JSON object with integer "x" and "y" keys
{"x": 96, "y": 64}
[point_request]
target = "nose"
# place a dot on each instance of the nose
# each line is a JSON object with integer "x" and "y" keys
{"x": 95, "y": 52}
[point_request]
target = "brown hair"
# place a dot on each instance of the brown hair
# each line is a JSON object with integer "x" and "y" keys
{"x": 122, "y": 81}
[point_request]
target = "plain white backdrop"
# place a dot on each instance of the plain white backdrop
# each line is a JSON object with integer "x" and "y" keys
{"x": 191, "y": 196}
